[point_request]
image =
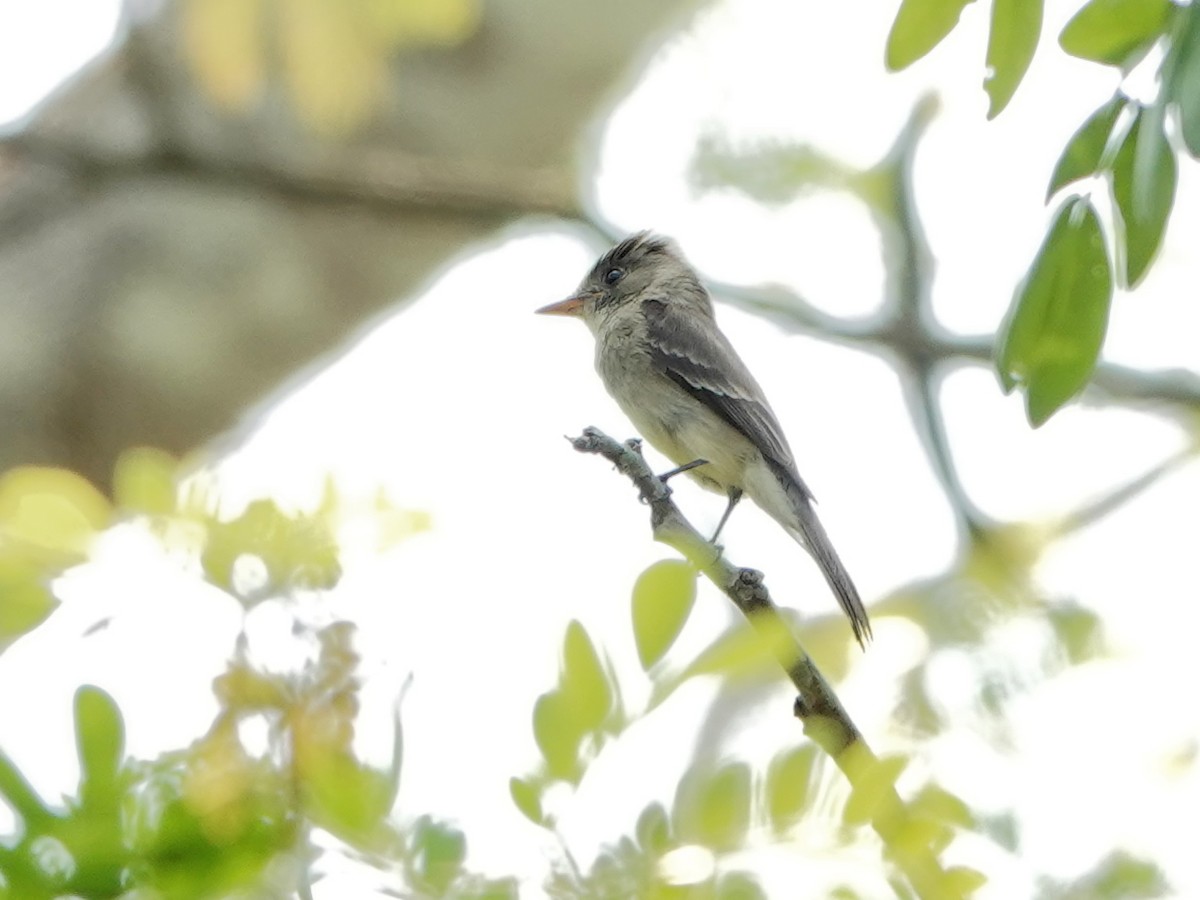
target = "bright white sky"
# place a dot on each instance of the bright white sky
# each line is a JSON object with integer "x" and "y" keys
{"x": 527, "y": 532}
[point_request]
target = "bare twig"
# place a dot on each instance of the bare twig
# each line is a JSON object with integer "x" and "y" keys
{"x": 824, "y": 719}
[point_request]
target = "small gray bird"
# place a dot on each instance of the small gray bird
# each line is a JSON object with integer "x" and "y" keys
{"x": 677, "y": 377}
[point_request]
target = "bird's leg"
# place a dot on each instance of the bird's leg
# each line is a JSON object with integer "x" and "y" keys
{"x": 735, "y": 494}
{"x": 678, "y": 470}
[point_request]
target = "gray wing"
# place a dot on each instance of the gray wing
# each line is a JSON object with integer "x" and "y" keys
{"x": 703, "y": 363}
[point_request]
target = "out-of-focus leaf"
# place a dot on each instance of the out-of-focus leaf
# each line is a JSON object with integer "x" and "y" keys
{"x": 653, "y": 829}
{"x": 298, "y": 552}
{"x": 787, "y": 785}
{"x": 962, "y": 881}
{"x": 744, "y": 652}
{"x": 1053, "y": 332}
{"x": 1016, "y": 27}
{"x": 1184, "y": 85}
{"x": 1115, "y": 32}
{"x": 99, "y": 738}
{"x": 144, "y": 481}
{"x": 1143, "y": 186}
{"x": 1080, "y": 632}
{"x": 919, "y": 27}
{"x": 870, "y": 786}
{"x": 223, "y": 42}
{"x": 585, "y": 688}
{"x": 50, "y": 515}
{"x": 739, "y": 886}
{"x": 526, "y": 798}
{"x": 438, "y": 22}
{"x": 663, "y": 597}
{"x": 557, "y": 734}
{"x": 25, "y": 600}
{"x": 713, "y": 808}
{"x": 346, "y": 797}
{"x": 440, "y": 851}
{"x": 1083, "y": 153}
{"x": 934, "y": 802}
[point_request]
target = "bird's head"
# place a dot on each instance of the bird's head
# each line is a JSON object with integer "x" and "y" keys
{"x": 641, "y": 266}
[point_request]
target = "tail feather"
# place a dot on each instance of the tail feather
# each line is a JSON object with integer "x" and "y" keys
{"x": 810, "y": 533}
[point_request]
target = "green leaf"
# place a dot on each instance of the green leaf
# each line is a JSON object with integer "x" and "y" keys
{"x": 1143, "y": 186}
{"x": 713, "y": 809}
{"x": 25, "y": 599}
{"x": 556, "y": 734}
{"x": 100, "y": 736}
{"x": 1084, "y": 151}
{"x": 1016, "y": 27}
{"x": 1115, "y": 32}
{"x": 144, "y": 481}
{"x": 653, "y": 829}
{"x": 663, "y": 597}
{"x": 787, "y": 785}
{"x": 1184, "y": 85}
{"x": 528, "y": 799}
{"x": 440, "y": 851}
{"x": 739, "y": 886}
{"x": 585, "y": 688}
{"x": 919, "y": 27}
{"x": 1051, "y": 337}
{"x": 870, "y": 787}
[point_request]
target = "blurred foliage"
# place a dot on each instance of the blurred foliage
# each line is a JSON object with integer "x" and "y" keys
{"x": 234, "y": 813}
{"x": 331, "y": 56}
{"x": 1126, "y": 142}
{"x": 723, "y": 809}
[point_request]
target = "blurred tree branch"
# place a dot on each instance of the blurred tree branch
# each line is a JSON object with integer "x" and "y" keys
{"x": 167, "y": 259}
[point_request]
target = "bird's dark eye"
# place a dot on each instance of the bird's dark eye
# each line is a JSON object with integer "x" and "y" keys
{"x": 612, "y": 276}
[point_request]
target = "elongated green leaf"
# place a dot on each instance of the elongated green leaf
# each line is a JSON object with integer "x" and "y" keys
{"x": 653, "y": 829}
{"x": 663, "y": 597}
{"x": 919, "y": 27}
{"x": 556, "y": 734}
{"x": 1054, "y": 329}
{"x": 713, "y": 808}
{"x": 787, "y": 785}
{"x": 1083, "y": 153}
{"x": 585, "y": 688}
{"x": 1016, "y": 27}
{"x": 1184, "y": 86}
{"x": 527, "y": 798}
{"x": 1143, "y": 186}
{"x": 100, "y": 736}
{"x": 1115, "y": 32}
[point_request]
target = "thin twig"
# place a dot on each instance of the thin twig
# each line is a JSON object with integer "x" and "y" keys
{"x": 824, "y": 719}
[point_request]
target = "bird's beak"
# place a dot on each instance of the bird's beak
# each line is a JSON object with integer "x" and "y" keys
{"x": 572, "y": 306}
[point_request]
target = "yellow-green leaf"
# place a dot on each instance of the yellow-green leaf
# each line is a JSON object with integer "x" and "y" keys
{"x": 787, "y": 785}
{"x": 653, "y": 829}
{"x": 1015, "y": 29}
{"x": 144, "y": 481}
{"x": 919, "y": 27}
{"x": 1115, "y": 32}
{"x": 584, "y": 686}
{"x": 1052, "y": 335}
{"x": 527, "y": 799}
{"x": 713, "y": 808}
{"x": 663, "y": 597}
{"x": 99, "y": 737}
{"x": 556, "y": 734}
{"x": 50, "y": 514}
{"x": 1143, "y": 186}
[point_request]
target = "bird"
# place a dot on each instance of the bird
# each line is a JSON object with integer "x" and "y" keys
{"x": 677, "y": 377}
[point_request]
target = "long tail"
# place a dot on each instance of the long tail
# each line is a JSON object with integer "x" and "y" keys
{"x": 810, "y": 533}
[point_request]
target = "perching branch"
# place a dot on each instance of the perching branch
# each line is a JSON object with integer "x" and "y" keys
{"x": 824, "y": 719}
